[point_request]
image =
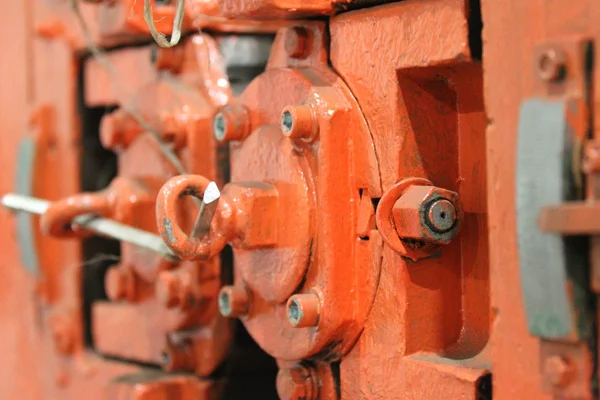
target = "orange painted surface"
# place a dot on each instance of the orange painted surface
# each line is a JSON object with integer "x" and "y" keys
{"x": 367, "y": 181}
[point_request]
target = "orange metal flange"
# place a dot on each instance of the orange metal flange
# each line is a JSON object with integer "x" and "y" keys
{"x": 299, "y": 260}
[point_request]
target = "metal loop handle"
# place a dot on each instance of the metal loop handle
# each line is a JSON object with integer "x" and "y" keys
{"x": 57, "y": 220}
{"x": 183, "y": 245}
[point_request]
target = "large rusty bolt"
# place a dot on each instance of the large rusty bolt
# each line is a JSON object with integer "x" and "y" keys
{"x": 232, "y": 122}
{"x": 233, "y": 301}
{"x": 427, "y": 213}
{"x": 297, "y": 383}
{"x": 303, "y": 310}
{"x": 298, "y": 122}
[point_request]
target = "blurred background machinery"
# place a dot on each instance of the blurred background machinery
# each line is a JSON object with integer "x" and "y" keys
{"x": 236, "y": 199}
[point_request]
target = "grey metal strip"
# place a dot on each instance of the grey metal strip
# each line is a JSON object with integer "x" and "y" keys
{"x": 542, "y": 150}
{"x": 24, "y": 185}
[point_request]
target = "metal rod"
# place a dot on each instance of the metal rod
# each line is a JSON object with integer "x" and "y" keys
{"x": 208, "y": 208}
{"x": 101, "y": 226}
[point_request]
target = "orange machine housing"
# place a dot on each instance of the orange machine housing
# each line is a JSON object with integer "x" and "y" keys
{"x": 370, "y": 240}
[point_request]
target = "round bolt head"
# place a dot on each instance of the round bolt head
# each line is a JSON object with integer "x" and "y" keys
{"x": 551, "y": 65}
{"x": 298, "y": 122}
{"x": 441, "y": 215}
{"x": 233, "y": 301}
{"x": 303, "y": 310}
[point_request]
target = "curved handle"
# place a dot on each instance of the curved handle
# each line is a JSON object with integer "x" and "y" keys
{"x": 58, "y": 218}
{"x": 183, "y": 245}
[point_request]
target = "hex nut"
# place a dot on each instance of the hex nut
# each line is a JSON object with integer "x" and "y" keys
{"x": 427, "y": 213}
{"x": 257, "y": 213}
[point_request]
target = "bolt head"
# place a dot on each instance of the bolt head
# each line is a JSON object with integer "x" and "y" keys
{"x": 427, "y": 214}
{"x": 231, "y": 122}
{"x": 299, "y": 122}
{"x": 551, "y": 64}
{"x": 233, "y": 301}
{"x": 441, "y": 215}
{"x": 303, "y": 310}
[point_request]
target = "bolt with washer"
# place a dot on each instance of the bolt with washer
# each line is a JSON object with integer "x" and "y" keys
{"x": 428, "y": 214}
{"x": 303, "y": 310}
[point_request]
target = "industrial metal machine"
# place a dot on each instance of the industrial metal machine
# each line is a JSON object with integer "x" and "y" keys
{"x": 299, "y": 199}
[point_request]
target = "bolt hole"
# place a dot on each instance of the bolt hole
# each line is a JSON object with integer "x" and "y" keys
{"x": 294, "y": 312}
{"x": 219, "y": 126}
{"x": 443, "y": 215}
{"x": 287, "y": 121}
{"x": 224, "y": 304}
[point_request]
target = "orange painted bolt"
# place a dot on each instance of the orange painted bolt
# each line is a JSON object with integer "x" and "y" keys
{"x": 233, "y": 301}
{"x": 167, "y": 289}
{"x": 118, "y": 130}
{"x": 303, "y": 310}
{"x": 297, "y": 383}
{"x": 558, "y": 370}
{"x": 441, "y": 215}
{"x": 120, "y": 283}
{"x": 232, "y": 122}
{"x": 551, "y": 65}
{"x": 297, "y": 42}
{"x": 298, "y": 122}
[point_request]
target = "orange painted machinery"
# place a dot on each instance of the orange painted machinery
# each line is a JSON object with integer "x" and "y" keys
{"x": 305, "y": 200}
